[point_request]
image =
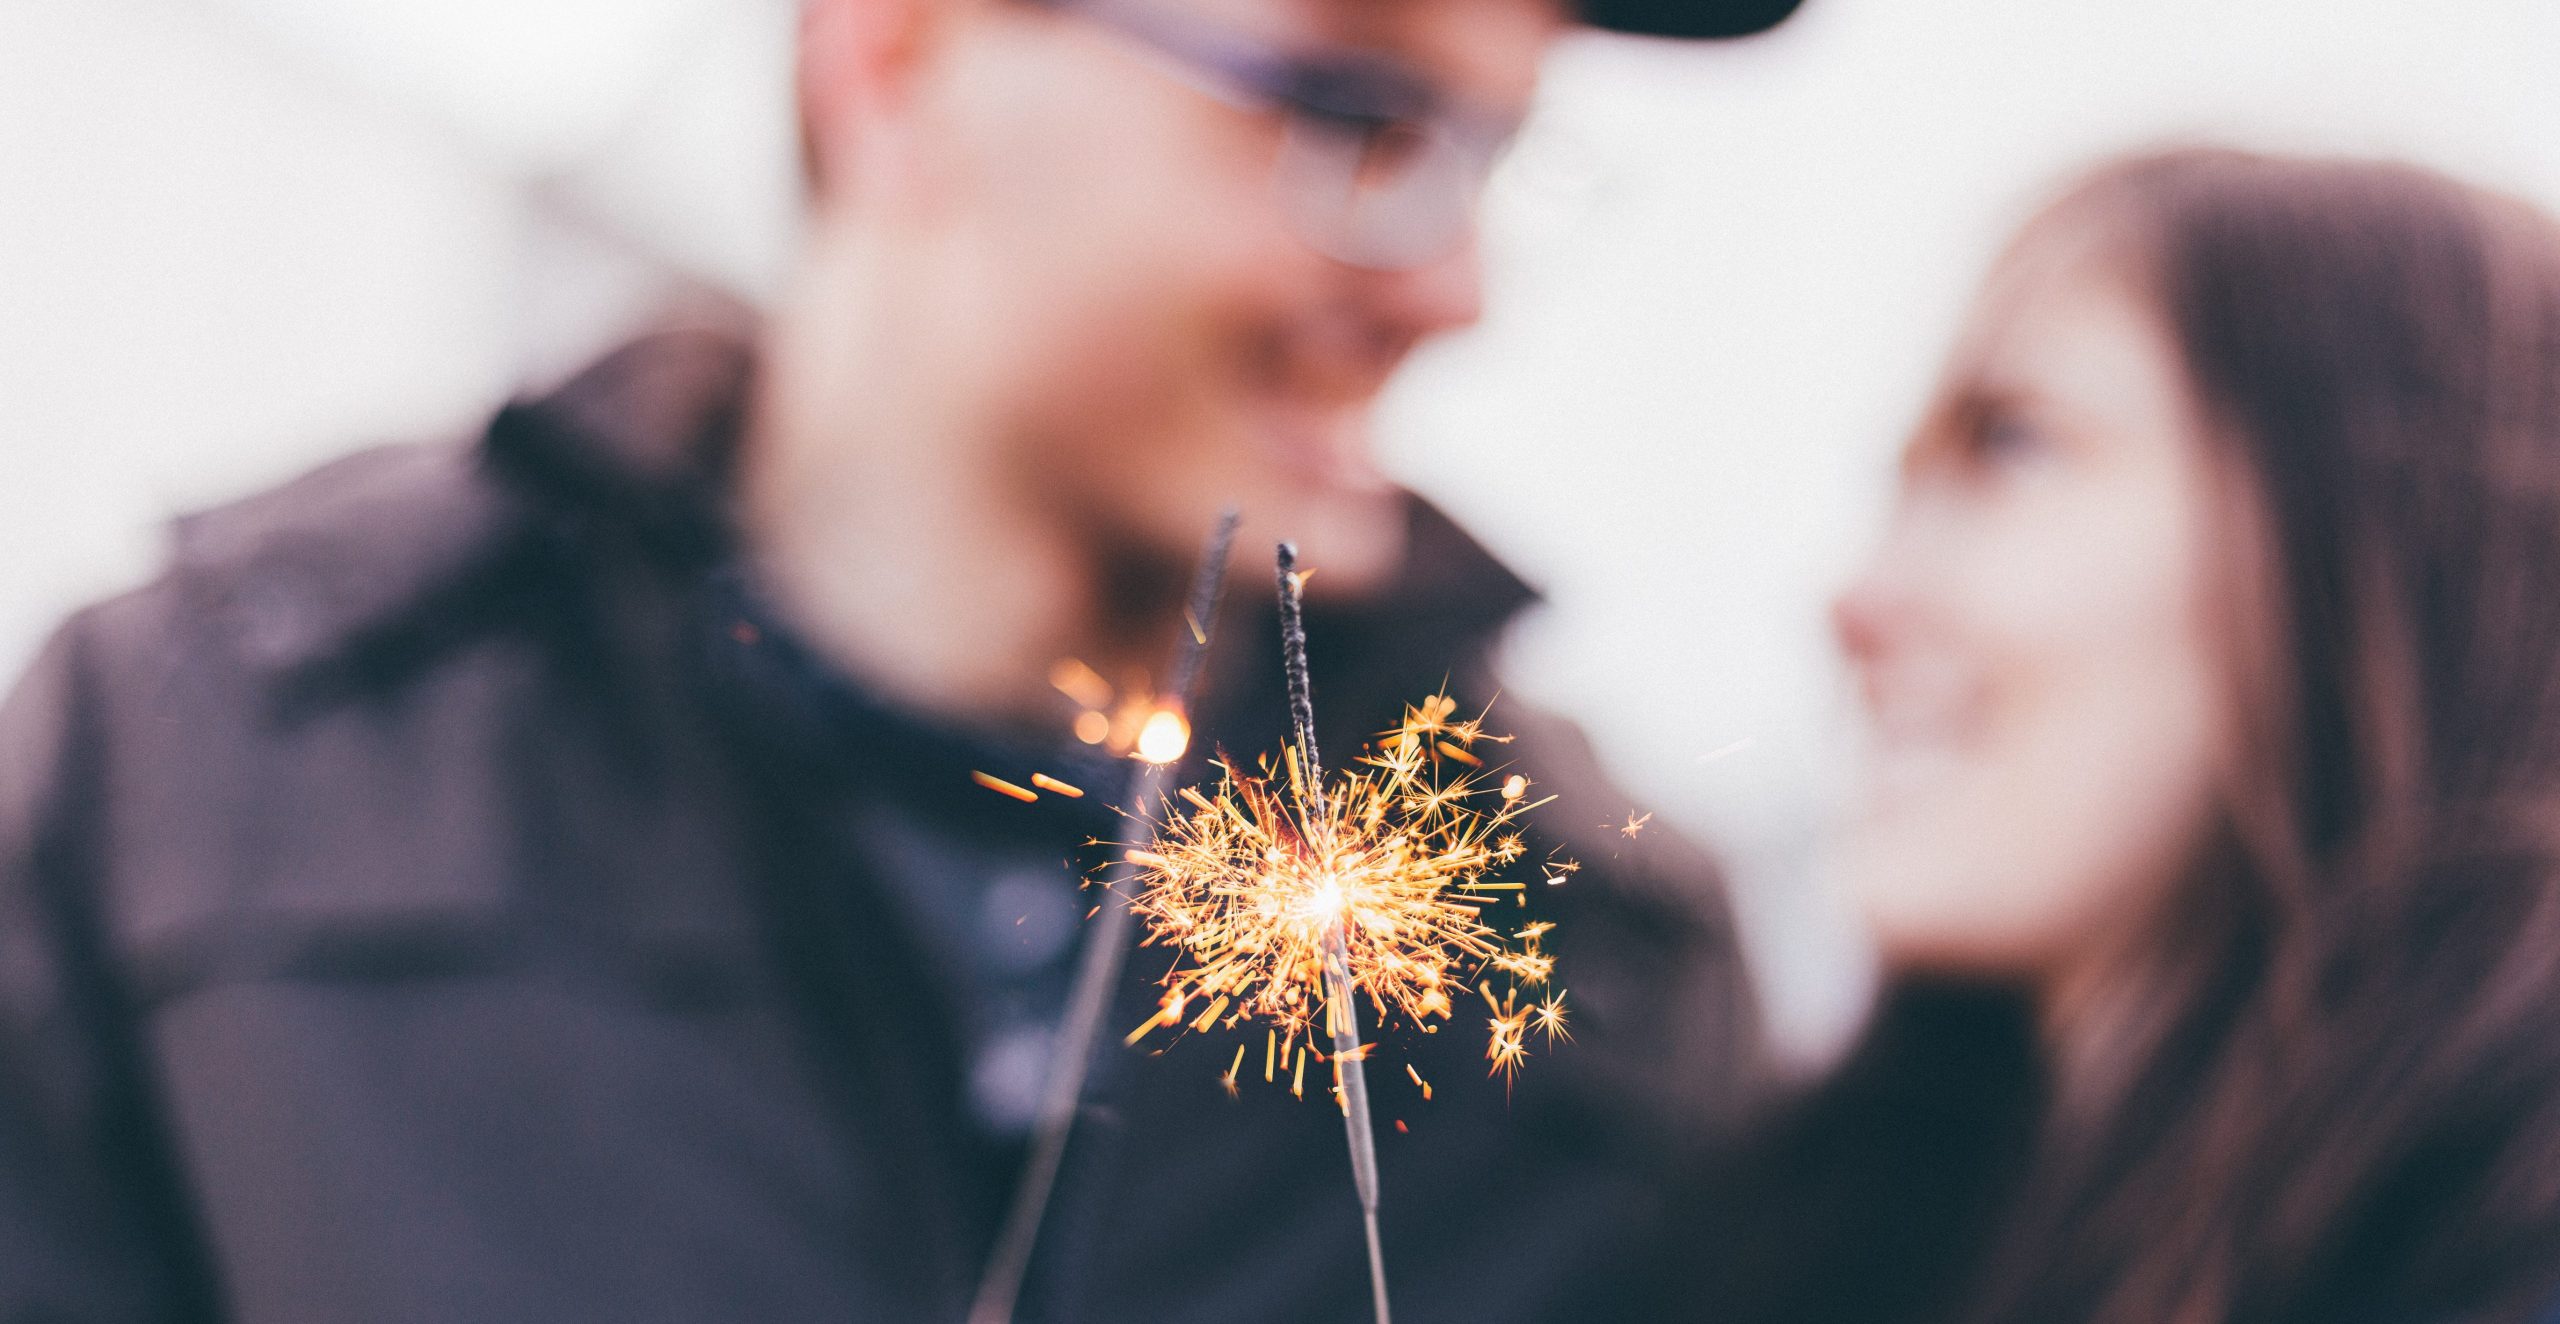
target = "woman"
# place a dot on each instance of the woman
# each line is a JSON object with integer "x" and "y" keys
{"x": 2212, "y": 828}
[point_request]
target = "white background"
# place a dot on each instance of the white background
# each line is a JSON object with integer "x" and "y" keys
{"x": 240, "y": 235}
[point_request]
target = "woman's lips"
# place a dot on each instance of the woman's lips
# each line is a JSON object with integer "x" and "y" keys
{"x": 1924, "y": 697}
{"x": 1922, "y": 719}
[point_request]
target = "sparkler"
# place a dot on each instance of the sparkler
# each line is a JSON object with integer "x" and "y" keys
{"x": 1341, "y": 1012}
{"x": 1162, "y": 739}
{"x": 1378, "y": 884}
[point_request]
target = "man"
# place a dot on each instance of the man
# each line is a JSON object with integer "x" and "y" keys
{"x": 543, "y": 880}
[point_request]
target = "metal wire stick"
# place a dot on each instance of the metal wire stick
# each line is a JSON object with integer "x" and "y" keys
{"x": 1342, "y": 1014}
{"x": 1098, "y": 969}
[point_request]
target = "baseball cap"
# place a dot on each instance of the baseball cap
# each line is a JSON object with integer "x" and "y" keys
{"x": 1687, "y": 18}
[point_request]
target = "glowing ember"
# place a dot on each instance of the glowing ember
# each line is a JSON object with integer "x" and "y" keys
{"x": 1002, "y": 787}
{"x": 1400, "y": 870}
{"x": 1164, "y": 738}
{"x": 1507, "y": 1034}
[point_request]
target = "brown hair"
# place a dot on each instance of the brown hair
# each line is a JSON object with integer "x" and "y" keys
{"x": 2342, "y": 1103}
{"x": 2346, "y": 1103}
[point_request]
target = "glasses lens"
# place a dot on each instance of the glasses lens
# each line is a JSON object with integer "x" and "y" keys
{"x": 1391, "y": 196}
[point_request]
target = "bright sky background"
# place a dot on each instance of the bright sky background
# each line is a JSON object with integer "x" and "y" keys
{"x": 240, "y": 235}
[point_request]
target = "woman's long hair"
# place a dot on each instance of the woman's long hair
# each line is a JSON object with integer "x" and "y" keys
{"x": 2343, "y": 1097}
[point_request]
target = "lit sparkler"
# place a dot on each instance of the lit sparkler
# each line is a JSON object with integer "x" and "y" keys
{"x": 1401, "y": 859}
{"x": 1291, "y": 898}
{"x": 1158, "y": 738}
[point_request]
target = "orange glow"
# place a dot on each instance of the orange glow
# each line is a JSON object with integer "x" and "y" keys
{"x": 1079, "y": 682}
{"x": 1048, "y": 783}
{"x": 1092, "y": 728}
{"x": 1164, "y": 738}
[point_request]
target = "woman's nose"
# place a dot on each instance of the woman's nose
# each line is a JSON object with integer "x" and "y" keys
{"x": 1441, "y": 295}
{"x": 1862, "y": 614}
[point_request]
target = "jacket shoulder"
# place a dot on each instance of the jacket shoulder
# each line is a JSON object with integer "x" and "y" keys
{"x": 284, "y": 579}
{"x": 183, "y": 745}
{"x": 352, "y": 705}
{"x": 248, "y": 593}
{"x": 299, "y": 574}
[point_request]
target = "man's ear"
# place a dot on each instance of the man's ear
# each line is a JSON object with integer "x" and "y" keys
{"x": 856, "y": 57}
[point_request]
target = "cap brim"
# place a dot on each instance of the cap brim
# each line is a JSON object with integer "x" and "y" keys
{"x": 1687, "y": 18}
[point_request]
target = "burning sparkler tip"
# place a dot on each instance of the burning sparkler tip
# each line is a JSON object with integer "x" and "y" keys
{"x": 1165, "y": 738}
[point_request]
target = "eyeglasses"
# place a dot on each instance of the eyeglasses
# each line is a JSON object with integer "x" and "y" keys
{"x": 1378, "y": 166}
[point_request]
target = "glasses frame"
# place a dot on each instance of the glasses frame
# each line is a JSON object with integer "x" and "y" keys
{"x": 1379, "y": 166}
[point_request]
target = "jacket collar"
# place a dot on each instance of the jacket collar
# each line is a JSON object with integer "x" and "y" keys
{"x": 394, "y": 542}
{"x": 648, "y": 435}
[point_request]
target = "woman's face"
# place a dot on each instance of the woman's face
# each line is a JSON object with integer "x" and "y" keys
{"x": 2046, "y": 700}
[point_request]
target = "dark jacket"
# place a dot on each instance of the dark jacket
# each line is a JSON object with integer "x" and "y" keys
{"x": 433, "y": 899}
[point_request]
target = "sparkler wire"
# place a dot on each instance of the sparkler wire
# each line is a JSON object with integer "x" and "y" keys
{"x": 1342, "y": 1015}
{"x": 1098, "y": 968}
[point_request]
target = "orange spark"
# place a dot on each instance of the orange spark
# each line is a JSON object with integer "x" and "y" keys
{"x": 1002, "y": 787}
{"x": 1549, "y": 1018}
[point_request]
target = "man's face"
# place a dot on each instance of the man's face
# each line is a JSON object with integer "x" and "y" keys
{"x": 1129, "y": 292}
